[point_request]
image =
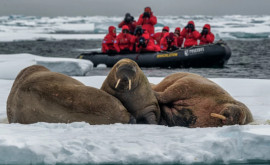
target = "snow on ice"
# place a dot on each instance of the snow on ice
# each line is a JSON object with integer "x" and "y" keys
{"x": 81, "y": 143}
{"x": 11, "y": 65}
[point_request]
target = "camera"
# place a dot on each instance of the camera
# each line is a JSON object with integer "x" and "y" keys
{"x": 146, "y": 15}
{"x": 204, "y": 31}
{"x": 169, "y": 41}
{"x": 142, "y": 42}
{"x": 138, "y": 31}
{"x": 190, "y": 26}
{"x": 128, "y": 19}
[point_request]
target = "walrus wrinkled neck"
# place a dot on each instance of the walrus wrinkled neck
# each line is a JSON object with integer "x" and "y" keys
{"x": 125, "y": 77}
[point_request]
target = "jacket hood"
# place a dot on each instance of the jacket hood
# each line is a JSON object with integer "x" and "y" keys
{"x": 147, "y": 9}
{"x": 178, "y": 28}
{"x": 125, "y": 27}
{"x": 166, "y": 28}
{"x": 170, "y": 36}
{"x": 111, "y": 29}
{"x": 207, "y": 26}
{"x": 191, "y": 22}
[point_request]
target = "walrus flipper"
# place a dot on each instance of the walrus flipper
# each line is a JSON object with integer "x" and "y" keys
{"x": 148, "y": 116}
{"x": 173, "y": 93}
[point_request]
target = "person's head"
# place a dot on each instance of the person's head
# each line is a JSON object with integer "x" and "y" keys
{"x": 127, "y": 15}
{"x": 207, "y": 26}
{"x": 191, "y": 23}
{"x": 165, "y": 29}
{"x": 147, "y": 9}
{"x": 138, "y": 31}
{"x": 125, "y": 29}
{"x": 170, "y": 37}
{"x": 112, "y": 30}
{"x": 177, "y": 30}
{"x": 128, "y": 18}
{"x": 143, "y": 40}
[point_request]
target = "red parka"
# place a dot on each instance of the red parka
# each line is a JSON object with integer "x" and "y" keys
{"x": 159, "y": 35}
{"x": 151, "y": 47}
{"x": 148, "y": 23}
{"x": 123, "y": 40}
{"x": 190, "y": 37}
{"x": 131, "y": 26}
{"x": 179, "y": 38}
{"x": 164, "y": 44}
{"x": 208, "y": 38}
{"x": 108, "y": 41}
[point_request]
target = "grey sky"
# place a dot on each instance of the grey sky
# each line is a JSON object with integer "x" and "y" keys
{"x": 135, "y": 7}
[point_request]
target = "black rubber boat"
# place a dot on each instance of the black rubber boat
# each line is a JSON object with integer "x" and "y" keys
{"x": 212, "y": 55}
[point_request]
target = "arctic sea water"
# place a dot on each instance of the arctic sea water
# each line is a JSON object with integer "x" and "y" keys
{"x": 224, "y": 27}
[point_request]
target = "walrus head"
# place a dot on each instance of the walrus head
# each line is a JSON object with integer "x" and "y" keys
{"x": 125, "y": 75}
{"x": 127, "y": 82}
{"x": 236, "y": 113}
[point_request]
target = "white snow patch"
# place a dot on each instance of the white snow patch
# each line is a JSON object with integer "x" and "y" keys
{"x": 11, "y": 65}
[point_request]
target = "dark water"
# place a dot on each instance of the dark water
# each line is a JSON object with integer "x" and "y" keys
{"x": 250, "y": 58}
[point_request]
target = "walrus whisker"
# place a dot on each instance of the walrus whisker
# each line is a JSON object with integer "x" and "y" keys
{"x": 118, "y": 81}
{"x": 129, "y": 84}
{"x": 218, "y": 116}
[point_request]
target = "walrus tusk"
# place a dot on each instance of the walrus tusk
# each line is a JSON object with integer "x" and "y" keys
{"x": 218, "y": 116}
{"x": 118, "y": 81}
{"x": 129, "y": 84}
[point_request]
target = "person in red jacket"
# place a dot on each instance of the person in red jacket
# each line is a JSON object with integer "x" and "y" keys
{"x": 130, "y": 22}
{"x": 148, "y": 20}
{"x": 179, "y": 38}
{"x": 108, "y": 41}
{"x": 168, "y": 42}
{"x": 206, "y": 36}
{"x": 159, "y": 35}
{"x": 144, "y": 43}
{"x": 190, "y": 34}
{"x": 123, "y": 42}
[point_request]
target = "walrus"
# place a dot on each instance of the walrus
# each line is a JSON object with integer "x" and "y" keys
{"x": 127, "y": 82}
{"x": 190, "y": 100}
{"x": 39, "y": 95}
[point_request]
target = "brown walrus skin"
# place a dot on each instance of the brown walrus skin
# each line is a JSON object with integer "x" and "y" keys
{"x": 39, "y": 95}
{"x": 188, "y": 99}
{"x": 136, "y": 95}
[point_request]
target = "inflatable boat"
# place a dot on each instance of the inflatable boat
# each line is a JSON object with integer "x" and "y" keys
{"x": 212, "y": 55}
